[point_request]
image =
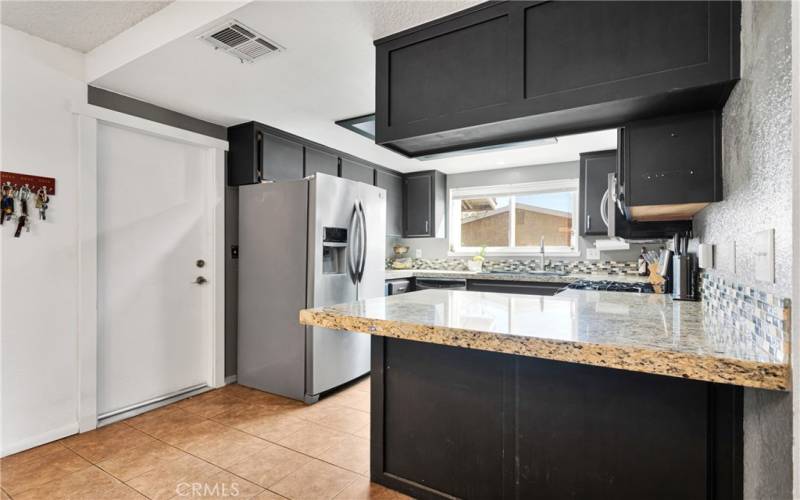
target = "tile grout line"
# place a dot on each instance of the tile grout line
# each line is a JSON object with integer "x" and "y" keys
{"x": 95, "y": 464}
{"x": 229, "y": 471}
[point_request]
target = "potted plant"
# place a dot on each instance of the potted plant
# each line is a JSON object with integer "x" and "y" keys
{"x": 476, "y": 264}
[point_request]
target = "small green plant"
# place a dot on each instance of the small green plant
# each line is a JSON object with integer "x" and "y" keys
{"x": 481, "y": 255}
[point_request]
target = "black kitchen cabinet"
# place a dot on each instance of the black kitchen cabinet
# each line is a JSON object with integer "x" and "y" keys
{"x": 520, "y": 287}
{"x": 358, "y": 172}
{"x": 671, "y": 167}
{"x": 451, "y": 422}
{"x": 424, "y": 199}
{"x": 318, "y": 161}
{"x": 510, "y": 71}
{"x": 255, "y": 154}
{"x": 594, "y": 170}
{"x": 393, "y": 184}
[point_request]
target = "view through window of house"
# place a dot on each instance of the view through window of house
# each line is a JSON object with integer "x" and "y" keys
{"x": 515, "y": 221}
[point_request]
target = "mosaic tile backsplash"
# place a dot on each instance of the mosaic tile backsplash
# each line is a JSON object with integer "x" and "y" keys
{"x": 760, "y": 318}
{"x": 526, "y": 265}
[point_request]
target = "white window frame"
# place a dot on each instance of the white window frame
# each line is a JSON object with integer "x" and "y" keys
{"x": 455, "y": 195}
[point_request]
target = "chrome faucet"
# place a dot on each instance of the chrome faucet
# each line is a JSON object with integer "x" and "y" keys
{"x": 541, "y": 253}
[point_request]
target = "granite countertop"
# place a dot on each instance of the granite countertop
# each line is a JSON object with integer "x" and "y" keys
{"x": 648, "y": 333}
{"x": 569, "y": 278}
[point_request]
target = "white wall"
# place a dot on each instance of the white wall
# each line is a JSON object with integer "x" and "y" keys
{"x": 38, "y": 303}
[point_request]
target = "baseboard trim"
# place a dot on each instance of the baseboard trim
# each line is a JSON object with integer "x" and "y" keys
{"x": 230, "y": 380}
{"x": 47, "y": 437}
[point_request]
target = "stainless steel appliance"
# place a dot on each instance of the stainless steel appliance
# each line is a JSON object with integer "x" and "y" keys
{"x": 684, "y": 270}
{"x": 398, "y": 286}
{"x": 307, "y": 243}
{"x": 613, "y": 212}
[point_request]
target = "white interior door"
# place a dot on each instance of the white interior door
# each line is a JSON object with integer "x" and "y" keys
{"x": 154, "y": 321}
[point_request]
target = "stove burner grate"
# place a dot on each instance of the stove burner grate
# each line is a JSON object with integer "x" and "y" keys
{"x": 612, "y": 286}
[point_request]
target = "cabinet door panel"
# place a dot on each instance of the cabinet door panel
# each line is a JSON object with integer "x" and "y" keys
{"x": 579, "y": 416}
{"x": 595, "y": 168}
{"x": 393, "y": 184}
{"x": 518, "y": 287}
{"x": 282, "y": 159}
{"x": 434, "y": 422}
{"x": 576, "y": 45}
{"x": 417, "y": 207}
{"x": 673, "y": 160}
{"x": 357, "y": 172}
{"x": 454, "y": 72}
{"x": 322, "y": 162}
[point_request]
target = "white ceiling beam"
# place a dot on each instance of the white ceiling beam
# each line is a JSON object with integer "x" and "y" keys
{"x": 168, "y": 24}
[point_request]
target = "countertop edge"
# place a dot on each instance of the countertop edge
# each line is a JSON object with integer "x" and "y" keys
{"x": 688, "y": 366}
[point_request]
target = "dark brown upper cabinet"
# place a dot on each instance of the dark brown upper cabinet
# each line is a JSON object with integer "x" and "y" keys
{"x": 318, "y": 161}
{"x": 424, "y": 202}
{"x": 393, "y": 184}
{"x": 358, "y": 171}
{"x": 670, "y": 167}
{"x": 511, "y": 71}
{"x": 256, "y": 154}
{"x": 594, "y": 169}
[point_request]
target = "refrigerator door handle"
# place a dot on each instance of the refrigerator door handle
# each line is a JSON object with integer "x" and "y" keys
{"x": 362, "y": 233}
{"x": 351, "y": 246}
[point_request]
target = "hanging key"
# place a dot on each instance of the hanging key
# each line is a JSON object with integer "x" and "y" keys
{"x": 41, "y": 202}
{"x": 7, "y": 203}
{"x": 22, "y": 221}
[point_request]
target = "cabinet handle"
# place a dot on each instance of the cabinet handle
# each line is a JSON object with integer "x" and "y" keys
{"x": 259, "y": 157}
{"x": 427, "y": 223}
{"x": 588, "y": 221}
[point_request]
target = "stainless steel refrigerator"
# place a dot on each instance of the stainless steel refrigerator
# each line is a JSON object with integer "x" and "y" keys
{"x": 307, "y": 243}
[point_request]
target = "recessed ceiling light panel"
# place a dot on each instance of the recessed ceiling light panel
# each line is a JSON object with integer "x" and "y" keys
{"x": 547, "y": 141}
{"x": 241, "y": 42}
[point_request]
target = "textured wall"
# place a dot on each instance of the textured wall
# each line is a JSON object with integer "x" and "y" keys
{"x": 756, "y": 150}
{"x": 756, "y": 131}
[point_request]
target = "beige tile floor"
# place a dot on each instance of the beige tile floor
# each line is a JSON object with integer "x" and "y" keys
{"x": 234, "y": 443}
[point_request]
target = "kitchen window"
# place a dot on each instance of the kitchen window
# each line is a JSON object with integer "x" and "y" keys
{"x": 512, "y": 219}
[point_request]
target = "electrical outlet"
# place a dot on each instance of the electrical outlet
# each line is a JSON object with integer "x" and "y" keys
{"x": 592, "y": 254}
{"x": 765, "y": 256}
{"x": 418, "y": 253}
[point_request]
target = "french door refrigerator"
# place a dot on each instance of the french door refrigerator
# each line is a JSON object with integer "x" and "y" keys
{"x": 307, "y": 243}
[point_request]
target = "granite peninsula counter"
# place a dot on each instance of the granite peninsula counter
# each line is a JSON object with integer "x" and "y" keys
{"x": 647, "y": 333}
{"x": 583, "y": 394}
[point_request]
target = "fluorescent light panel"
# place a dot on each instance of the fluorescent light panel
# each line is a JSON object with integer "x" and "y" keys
{"x": 491, "y": 149}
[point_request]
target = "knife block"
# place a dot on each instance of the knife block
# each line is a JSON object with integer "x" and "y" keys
{"x": 659, "y": 282}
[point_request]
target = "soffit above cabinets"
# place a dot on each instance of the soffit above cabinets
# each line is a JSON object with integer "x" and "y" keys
{"x": 324, "y": 75}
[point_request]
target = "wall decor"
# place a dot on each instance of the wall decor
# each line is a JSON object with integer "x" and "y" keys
{"x": 20, "y": 193}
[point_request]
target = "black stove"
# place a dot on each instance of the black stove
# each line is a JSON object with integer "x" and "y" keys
{"x": 612, "y": 286}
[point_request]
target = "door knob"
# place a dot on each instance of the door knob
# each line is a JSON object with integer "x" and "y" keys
{"x": 200, "y": 280}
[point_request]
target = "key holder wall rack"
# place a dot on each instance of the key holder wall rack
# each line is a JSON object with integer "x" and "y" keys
{"x": 22, "y": 194}
{"x": 34, "y": 182}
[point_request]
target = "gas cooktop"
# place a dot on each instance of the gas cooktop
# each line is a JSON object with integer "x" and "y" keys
{"x": 612, "y": 286}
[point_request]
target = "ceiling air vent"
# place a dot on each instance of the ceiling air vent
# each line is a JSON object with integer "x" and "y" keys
{"x": 240, "y": 41}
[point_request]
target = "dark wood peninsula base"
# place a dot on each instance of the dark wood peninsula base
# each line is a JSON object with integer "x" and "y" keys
{"x": 455, "y": 422}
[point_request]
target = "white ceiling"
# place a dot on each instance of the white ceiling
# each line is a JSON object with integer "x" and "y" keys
{"x": 327, "y": 73}
{"x": 81, "y": 25}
